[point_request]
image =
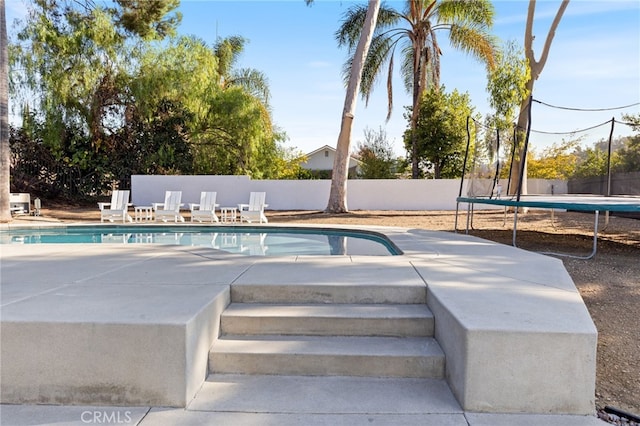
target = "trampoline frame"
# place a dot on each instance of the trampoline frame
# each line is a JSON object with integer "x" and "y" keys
{"x": 579, "y": 202}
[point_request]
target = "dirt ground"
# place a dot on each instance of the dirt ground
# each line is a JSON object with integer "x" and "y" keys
{"x": 609, "y": 283}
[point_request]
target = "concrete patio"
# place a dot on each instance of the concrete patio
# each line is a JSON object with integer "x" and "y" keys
{"x": 123, "y": 332}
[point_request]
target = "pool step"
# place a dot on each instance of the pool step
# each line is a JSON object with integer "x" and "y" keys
{"x": 328, "y": 319}
{"x": 328, "y": 330}
{"x": 336, "y": 400}
{"x": 417, "y": 357}
{"x": 329, "y": 293}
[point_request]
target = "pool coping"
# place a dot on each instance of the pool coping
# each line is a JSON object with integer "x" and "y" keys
{"x": 516, "y": 334}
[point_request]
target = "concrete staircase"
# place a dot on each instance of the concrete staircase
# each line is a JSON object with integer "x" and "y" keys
{"x": 327, "y": 350}
{"x": 318, "y": 334}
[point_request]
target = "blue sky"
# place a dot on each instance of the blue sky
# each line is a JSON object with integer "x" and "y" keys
{"x": 594, "y": 62}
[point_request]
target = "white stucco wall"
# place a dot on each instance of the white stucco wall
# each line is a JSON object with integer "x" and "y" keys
{"x": 362, "y": 194}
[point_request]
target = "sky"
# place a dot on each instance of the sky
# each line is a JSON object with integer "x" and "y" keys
{"x": 594, "y": 63}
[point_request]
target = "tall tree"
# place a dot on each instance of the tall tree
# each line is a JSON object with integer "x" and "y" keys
{"x": 507, "y": 84}
{"x": 229, "y": 126}
{"x": 414, "y": 33}
{"x": 5, "y": 152}
{"x": 376, "y": 156}
{"x": 629, "y": 153}
{"x": 75, "y": 58}
{"x": 442, "y": 132}
{"x": 179, "y": 106}
{"x": 536, "y": 67}
{"x": 338, "y": 194}
{"x": 557, "y": 161}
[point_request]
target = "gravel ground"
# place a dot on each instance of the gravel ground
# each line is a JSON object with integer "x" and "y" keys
{"x": 609, "y": 283}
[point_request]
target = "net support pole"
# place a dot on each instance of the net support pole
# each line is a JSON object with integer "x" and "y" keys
{"x": 608, "y": 192}
{"x": 523, "y": 160}
{"x": 466, "y": 157}
{"x": 464, "y": 169}
{"x": 513, "y": 155}
{"x": 496, "y": 177}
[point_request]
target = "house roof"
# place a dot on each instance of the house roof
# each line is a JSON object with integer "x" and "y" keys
{"x": 322, "y": 148}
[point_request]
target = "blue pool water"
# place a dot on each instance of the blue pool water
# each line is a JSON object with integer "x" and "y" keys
{"x": 262, "y": 241}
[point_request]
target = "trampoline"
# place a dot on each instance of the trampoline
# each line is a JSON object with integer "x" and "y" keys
{"x": 585, "y": 203}
{"x": 485, "y": 165}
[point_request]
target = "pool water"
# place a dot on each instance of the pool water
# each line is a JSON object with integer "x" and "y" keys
{"x": 240, "y": 240}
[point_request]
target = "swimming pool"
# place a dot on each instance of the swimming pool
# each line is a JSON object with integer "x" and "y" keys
{"x": 262, "y": 241}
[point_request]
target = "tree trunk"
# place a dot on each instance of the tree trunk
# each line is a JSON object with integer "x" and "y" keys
{"x": 5, "y": 150}
{"x": 338, "y": 195}
{"x": 415, "y": 112}
{"x": 420, "y": 65}
{"x": 536, "y": 69}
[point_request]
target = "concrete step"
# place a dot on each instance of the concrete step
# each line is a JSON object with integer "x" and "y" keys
{"x": 329, "y": 293}
{"x": 419, "y": 357}
{"x": 335, "y": 319}
{"x": 378, "y": 398}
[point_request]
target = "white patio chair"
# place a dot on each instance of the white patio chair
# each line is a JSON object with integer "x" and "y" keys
{"x": 205, "y": 211}
{"x": 254, "y": 211}
{"x": 170, "y": 209}
{"x": 20, "y": 203}
{"x": 117, "y": 209}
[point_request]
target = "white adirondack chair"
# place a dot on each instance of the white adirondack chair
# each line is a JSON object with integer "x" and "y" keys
{"x": 205, "y": 211}
{"x": 254, "y": 211}
{"x": 170, "y": 209}
{"x": 117, "y": 209}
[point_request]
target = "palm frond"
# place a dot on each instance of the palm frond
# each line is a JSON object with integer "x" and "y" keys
{"x": 429, "y": 9}
{"x": 471, "y": 12}
{"x": 406, "y": 68}
{"x": 387, "y": 18}
{"x": 352, "y": 23}
{"x": 380, "y": 51}
{"x": 349, "y": 32}
{"x": 413, "y": 9}
{"x": 228, "y": 50}
{"x": 253, "y": 82}
{"x": 390, "y": 88}
{"x": 480, "y": 44}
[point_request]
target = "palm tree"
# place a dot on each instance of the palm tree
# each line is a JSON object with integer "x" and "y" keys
{"x": 414, "y": 33}
{"x": 254, "y": 82}
{"x": 5, "y": 153}
{"x": 361, "y": 44}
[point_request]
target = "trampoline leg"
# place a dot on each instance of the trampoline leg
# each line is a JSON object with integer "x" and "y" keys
{"x": 472, "y": 212}
{"x": 595, "y": 243}
{"x": 455, "y": 224}
{"x": 515, "y": 226}
{"x": 468, "y": 217}
{"x": 606, "y": 220}
{"x": 595, "y": 236}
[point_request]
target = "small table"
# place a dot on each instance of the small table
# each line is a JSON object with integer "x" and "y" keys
{"x": 228, "y": 214}
{"x": 143, "y": 213}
